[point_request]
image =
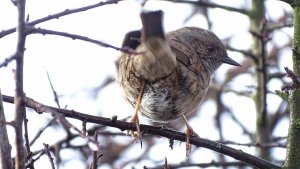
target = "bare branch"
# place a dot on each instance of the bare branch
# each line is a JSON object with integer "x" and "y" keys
{"x": 38, "y": 134}
{"x": 83, "y": 38}
{"x": 49, "y": 155}
{"x": 94, "y": 164}
{"x": 203, "y": 165}
{"x": 31, "y": 161}
{"x": 171, "y": 134}
{"x": 242, "y": 126}
{"x": 211, "y": 5}
{"x": 272, "y": 26}
{"x": 27, "y": 145}
{"x": 60, "y": 14}
{"x": 19, "y": 94}
{"x": 5, "y": 147}
{"x": 261, "y": 145}
{"x": 6, "y": 61}
{"x": 244, "y": 52}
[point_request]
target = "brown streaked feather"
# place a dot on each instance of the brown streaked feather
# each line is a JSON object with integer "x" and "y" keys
{"x": 184, "y": 54}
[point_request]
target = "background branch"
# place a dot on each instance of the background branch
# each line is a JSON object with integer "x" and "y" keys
{"x": 5, "y": 147}
{"x": 211, "y": 5}
{"x": 74, "y": 37}
{"x": 60, "y": 14}
{"x": 19, "y": 94}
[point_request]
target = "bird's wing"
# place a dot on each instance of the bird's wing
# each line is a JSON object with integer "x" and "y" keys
{"x": 132, "y": 39}
{"x": 183, "y": 54}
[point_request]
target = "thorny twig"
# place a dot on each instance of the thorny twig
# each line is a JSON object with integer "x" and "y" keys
{"x": 61, "y": 114}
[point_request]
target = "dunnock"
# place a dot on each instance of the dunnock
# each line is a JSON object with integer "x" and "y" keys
{"x": 171, "y": 73}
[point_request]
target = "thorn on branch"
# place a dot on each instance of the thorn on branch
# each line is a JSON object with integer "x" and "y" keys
{"x": 114, "y": 119}
{"x": 171, "y": 143}
{"x": 166, "y": 166}
{"x": 27, "y": 18}
{"x": 295, "y": 80}
{"x": 296, "y": 53}
{"x": 84, "y": 127}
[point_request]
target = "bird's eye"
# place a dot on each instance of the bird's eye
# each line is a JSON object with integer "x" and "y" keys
{"x": 210, "y": 49}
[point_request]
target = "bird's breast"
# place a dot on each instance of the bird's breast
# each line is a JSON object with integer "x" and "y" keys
{"x": 168, "y": 98}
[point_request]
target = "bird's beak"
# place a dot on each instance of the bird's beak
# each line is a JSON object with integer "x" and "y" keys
{"x": 230, "y": 61}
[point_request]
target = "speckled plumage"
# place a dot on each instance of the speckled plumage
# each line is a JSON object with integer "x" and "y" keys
{"x": 183, "y": 84}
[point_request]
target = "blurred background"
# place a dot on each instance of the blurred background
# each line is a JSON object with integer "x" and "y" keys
{"x": 83, "y": 75}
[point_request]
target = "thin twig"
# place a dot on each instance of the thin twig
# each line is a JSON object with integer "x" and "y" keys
{"x": 95, "y": 155}
{"x": 6, "y": 61}
{"x": 242, "y": 126}
{"x": 272, "y": 26}
{"x": 69, "y": 126}
{"x": 38, "y": 134}
{"x": 211, "y": 5}
{"x": 65, "y": 141}
{"x": 46, "y": 147}
{"x": 244, "y": 52}
{"x": 261, "y": 145}
{"x": 53, "y": 91}
{"x": 27, "y": 144}
{"x": 33, "y": 30}
{"x": 31, "y": 161}
{"x": 282, "y": 111}
{"x": 203, "y": 165}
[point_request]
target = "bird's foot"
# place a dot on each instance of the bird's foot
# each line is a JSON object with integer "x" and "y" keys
{"x": 135, "y": 134}
{"x": 189, "y": 132}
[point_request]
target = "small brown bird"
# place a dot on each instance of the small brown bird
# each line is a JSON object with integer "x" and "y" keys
{"x": 171, "y": 74}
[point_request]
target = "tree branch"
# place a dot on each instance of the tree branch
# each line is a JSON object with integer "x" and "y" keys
{"x": 204, "y": 165}
{"x": 33, "y": 30}
{"x": 171, "y": 134}
{"x": 244, "y": 52}
{"x": 211, "y": 5}
{"x": 6, "y": 61}
{"x": 5, "y": 147}
{"x": 60, "y": 14}
{"x": 46, "y": 147}
{"x": 19, "y": 94}
{"x": 292, "y": 160}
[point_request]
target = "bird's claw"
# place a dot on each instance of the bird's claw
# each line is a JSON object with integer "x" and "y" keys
{"x": 189, "y": 132}
{"x": 135, "y": 134}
